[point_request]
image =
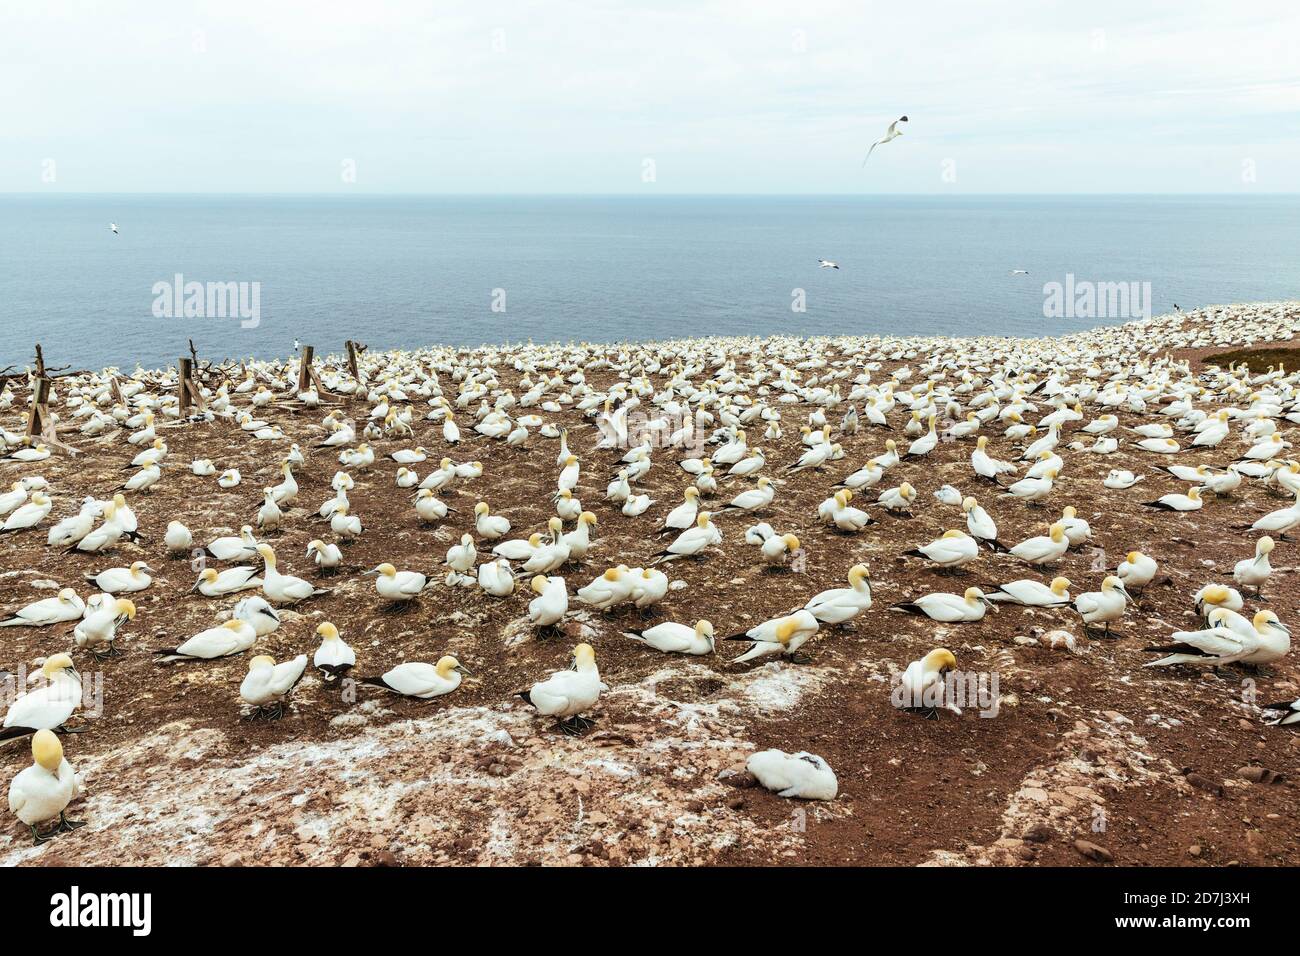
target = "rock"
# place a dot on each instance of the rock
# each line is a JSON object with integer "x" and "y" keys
{"x": 1094, "y": 852}
{"x": 1038, "y": 833}
{"x": 385, "y": 858}
{"x": 736, "y": 802}
{"x": 1194, "y": 850}
{"x": 742, "y": 780}
{"x": 1205, "y": 783}
{"x": 1260, "y": 775}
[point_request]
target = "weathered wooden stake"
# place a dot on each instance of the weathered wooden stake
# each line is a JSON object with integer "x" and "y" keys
{"x": 40, "y": 410}
{"x": 352, "y": 360}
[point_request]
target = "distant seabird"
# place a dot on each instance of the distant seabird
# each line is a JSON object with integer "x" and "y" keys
{"x": 892, "y": 133}
{"x": 827, "y": 264}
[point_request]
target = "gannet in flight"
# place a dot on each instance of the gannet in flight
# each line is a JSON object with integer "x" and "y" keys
{"x": 890, "y": 134}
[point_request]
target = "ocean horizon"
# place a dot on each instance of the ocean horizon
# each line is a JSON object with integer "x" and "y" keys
{"x": 404, "y": 271}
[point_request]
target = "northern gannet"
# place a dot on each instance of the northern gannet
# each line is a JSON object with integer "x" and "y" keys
{"x": 1253, "y": 572}
{"x": 43, "y": 791}
{"x": 65, "y": 606}
{"x": 673, "y": 638}
{"x": 1034, "y": 593}
{"x": 232, "y": 637}
{"x": 333, "y": 657}
{"x": 283, "y": 588}
{"x": 780, "y": 635}
{"x": 1104, "y": 606}
{"x": 99, "y": 628}
{"x": 951, "y": 550}
{"x": 399, "y": 586}
{"x": 923, "y": 685}
{"x": 268, "y": 683}
{"x": 802, "y": 775}
{"x": 891, "y": 134}
{"x": 841, "y": 605}
{"x": 49, "y": 706}
{"x": 416, "y": 679}
{"x": 212, "y": 583}
{"x": 123, "y": 580}
{"x": 948, "y": 608}
{"x": 568, "y": 693}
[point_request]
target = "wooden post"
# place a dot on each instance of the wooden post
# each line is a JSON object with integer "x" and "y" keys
{"x": 40, "y": 411}
{"x": 304, "y": 370}
{"x": 352, "y": 360}
{"x": 187, "y": 390}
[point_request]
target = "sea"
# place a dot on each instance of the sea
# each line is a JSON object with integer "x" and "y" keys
{"x": 251, "y": 275}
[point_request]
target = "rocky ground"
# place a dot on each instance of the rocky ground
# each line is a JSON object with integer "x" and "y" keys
{"x": 1089, "y": 759}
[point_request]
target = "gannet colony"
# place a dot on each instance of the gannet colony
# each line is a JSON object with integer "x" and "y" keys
{"x": 877, "y": 599}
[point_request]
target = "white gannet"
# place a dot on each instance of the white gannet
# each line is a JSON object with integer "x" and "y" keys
{"x": 568, "y": 693}
{"x": 65, "y": 606}
{"x": 950, "y": 550}
{"x": 283, "y": 588}
{"x": 232, "y": 637}
{"x": 334, "y": 658}
{"x": 395, "y": 585}
{"x": 673, "y": 638}
{"x": 551, "y": 603}
{"x": 692, "y": 541}
{"x": 43, "y": 791}
{"x": 1136, "y": 571}
{"x": 1033, "y": 593}
{"x": 1253, "y": 572}
{"x": 99, "y": 628}
{"x": 488, "y": 525}
{"x": 255, "y": 610}
{"x": 841, "y": 605}
{"x": 417, "y": 679}
{"x": 923, "y": 685}
{"x": 178, "y": 538}
{"x": 948, "y": 608}
{"x": 891, "y": 134}
{"x": 780, "y": 635}
{"x": 47, "y": 707}
{"x": 239, "y": 547}
{"x": 212, "y": 583}
{"x": 267, "y": 684}
{"x": 802, "y": 775}
{"x": 1043, "y": 549}
{"x": 1176, "y": 502}
{"x": 1213, "y": 646}
{"x": 327, "y": 556}
{"x": 1104, "y": 606}
{"x": 123, "y": 580}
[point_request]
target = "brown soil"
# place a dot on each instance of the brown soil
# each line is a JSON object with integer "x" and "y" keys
{"x": 1084, "y": 746}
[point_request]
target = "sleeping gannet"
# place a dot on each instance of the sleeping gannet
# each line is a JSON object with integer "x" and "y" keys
{"x": 178, "y": 539}
{"x": 212, "y": 583}
{"x": 43, "y": 791}
{"x": 416, "y": 679}
{"x": 567, "y": 693}
{"x": 123, "y": 580}
{"x": 255, "y": 610}
{"x": 923, "y": 685}
{"x": 802, "y": 775}
{"x": 1032, "y": 593}
{"x": 267, "y": 684}
{"x": 1136, "y": 571}
{"x": 692, "y": 541}
{"x": 239, "y": 547}
{"x": 951, "y": 550}
{"x": 1043, "y": 549}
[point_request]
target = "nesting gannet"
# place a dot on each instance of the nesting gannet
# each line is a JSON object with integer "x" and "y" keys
{"x": 283, "y": 588}
{"x": 232, "y": 637}
{"x": 74, "y": 527}
{"x": 212, "y": 583}
{"x": 1043, "y": 549}
{"x": 488, "y": 525}
{"x": 923, "y": 685}
{"x": 1032, "y": 490}
{"x": 461, "y": 557}
{"x": 780, "y": 635}
{"x": 612, "y": 587}
{"x": 1032, "y": 593}
{"x": 1136, "y": 571}
{"x": 1119, "y": 479}
{"x": 1176, "y": 502}
{"x": 496, "y": 578}
{"x": 951, "y": 550}
{"x": 1253, "y": 572}
{"x": 65, "y": 606}
{"x": 47, "y": 707}
{"x": 267, "y": 684}
{"x": 841, "y": 605}
{"x": 948, "y": 608}
{"x": 802, "y": 775}
{"x": 1213, "y": 646}
{"x": 398, "y": 586}
{"x": 416, "y": 679}
{"x": 899, "y": 499}
{"x": 28, "y": 515}
{"x": 673, "y": 638}
{"x": 43, "y": 791}
{"x": 123, "y": 580}
{"x": 755, "y": 499}
{"x": 568, "y": 693}
{"x": 1104, "y": 606}
{"x": 334, "y": 658}
{"x": 980, "y": 525}
{"x": 778, "y": 547}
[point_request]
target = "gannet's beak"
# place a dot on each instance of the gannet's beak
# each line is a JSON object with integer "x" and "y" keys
{"x": 461, "y": 668}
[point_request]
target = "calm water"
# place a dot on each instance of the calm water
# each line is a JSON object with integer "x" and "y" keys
{"x": 407, "y": 271}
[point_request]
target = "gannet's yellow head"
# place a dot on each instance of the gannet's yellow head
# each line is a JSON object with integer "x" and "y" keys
{"x": 906, "y": 490}
{"x": 968, "y": 504}
{"x": 791, "y": 542}
{"x": 55, "y": 664}
{"x": 952, "y": 533}
{"x": 586, "y": 518}
{"x": 982, "y": 441}
{"x": 327, "y": 631}
{"x": 571, "y": 460}
{"x": 67, "y": 595}
{"x": 704, "y": 629}
{"x": 446, "y": 665}
{"x": 387, "y": 570}
{"x": 691, "y": 493}
{"x": 764, "y": 481}
{"x": 1057, "y": 532}
{"x": 565, "y": 493}
{"x": 858, "y": 573}
{"x": 539, "y": 583}
{"x": 261, "y": 660}
{"x": 555, "y": 525}
{"x": 584, "y": 654}
{"x": 1111, "y": 582}
{"x": 613, "y": 574}
{"x": 125, "y": 607}
{"x": 972, "y": 595}
{"x": 940, "y": 659}
{"x": 267, "y": 554}
{"x": 1069, "y": 512}
{"x": 702, "y": 519}
{"x": 46, "y": 750}
{"x": 119, "y": 500}
{"x": 481, "y": 508}
{"x": 1264, "y": 545}
{"x": 785, "y": 628}
{"x": 1133, "y": 557}
{"x": 1060, "y": 586}
{"x": 1215, "y": 594}
{"x": 890, "y": 445}
{"x": 1264, "y": 618}
{"x": 234, "y": 624}
{"x": 445, "y": 464}
{"x": 207, "y": 576}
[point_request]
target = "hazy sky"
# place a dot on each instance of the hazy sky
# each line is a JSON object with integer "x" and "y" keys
{"x": 753, "y": 96}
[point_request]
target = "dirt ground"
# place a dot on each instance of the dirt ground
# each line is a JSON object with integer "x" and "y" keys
{"x": 1085, "y": 745}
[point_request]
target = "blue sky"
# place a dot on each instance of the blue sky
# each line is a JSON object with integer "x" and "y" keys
{"x": 676, "y": 97}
